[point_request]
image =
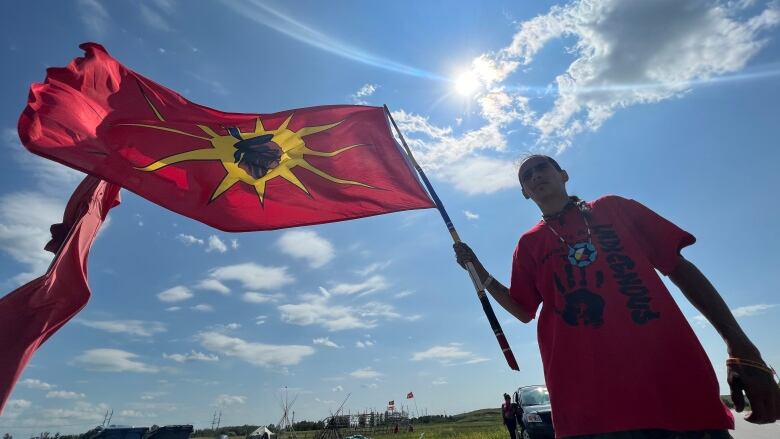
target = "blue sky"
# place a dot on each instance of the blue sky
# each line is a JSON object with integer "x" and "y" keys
{"x": 673, "y": 104}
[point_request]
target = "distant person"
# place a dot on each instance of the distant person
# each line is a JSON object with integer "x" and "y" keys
{"x": 620, "y": 359}
{"x": 509, "y": 415}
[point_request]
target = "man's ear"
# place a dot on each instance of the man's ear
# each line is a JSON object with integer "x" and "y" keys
{"x": 565, "y": 176}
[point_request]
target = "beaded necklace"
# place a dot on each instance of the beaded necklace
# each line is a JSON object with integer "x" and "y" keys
{"x": 581, "y": 254}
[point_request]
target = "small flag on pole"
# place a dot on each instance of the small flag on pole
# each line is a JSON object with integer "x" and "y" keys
{"x": 409, "y": 395}
{"x": 391, "y": 406}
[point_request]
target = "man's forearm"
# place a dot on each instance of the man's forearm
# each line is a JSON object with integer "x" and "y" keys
{"x": 501, "y": 294}
{"x": 700, "y": 292}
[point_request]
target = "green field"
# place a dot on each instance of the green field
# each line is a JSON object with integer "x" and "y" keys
{"x": 485, "y": 423}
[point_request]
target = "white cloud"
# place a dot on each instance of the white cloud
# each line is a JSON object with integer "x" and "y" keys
{"x": 365, "y": 91}
{"x": 94, "y": 16}
{"x": 175, "y": 294}
{"x": 227, "y": 400}
{"x": 258, "y": 354}
{"x": 742, "y": 311}
{"x": 189, "y": 239}
{"x": 253, "y": 276}
{"x": 338, "y": 388}
{"x": 307, "y": 245}
{"x": 439, "y": 381}
{"x": 373, "y": 284}
{"x": 365, "y": 373}
{"x": 202, "y": 307}
{"x": 371, "y": 268}
{"x": 470, "y": 215}
{"x": 403, "y": 294}
{"x": 449, "y": 354}
{"x": 234, "y": 244}
{"x": 15, "y": 407}
{"x": 213, "y": 285}
{"x": 138, "y": 328}
{"x": 482, "y": 175}
{"x": 752, "y": 310}
{"x": 437, "y": 149}
{"x": 191, "y": 356}
{"x": 317, "y": 310}
{"x": 253, "y": 297}
{"x": 64, "y": 394}
{"x": 622, "y": 59}
{"x": 112, "y": 360}
{"x": 173, "y": 308}
{"x": 48, "y": 175}
{"x": 36, "y": 384}
{"x": 25, "y": 218}
{"x": 80, "y": 410}
{"x": 364, "y": 344}
{"x": 134, "y": 414}
{"x": 216, "y": 244}
{"x": 260, "y": 320}
{"x": 325, "y": 341}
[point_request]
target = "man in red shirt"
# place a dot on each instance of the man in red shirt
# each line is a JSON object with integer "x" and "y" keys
{"x": 620, "y": 359}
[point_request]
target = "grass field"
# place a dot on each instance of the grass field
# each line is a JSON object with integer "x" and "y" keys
{"x": 485, "y": 423}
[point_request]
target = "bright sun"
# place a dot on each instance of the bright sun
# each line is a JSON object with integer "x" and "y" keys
{"x": 466, "y": 84}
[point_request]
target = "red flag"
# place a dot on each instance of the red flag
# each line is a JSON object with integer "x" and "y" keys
{"x": 409, "y": 395}
{"x": 233, "y": 171}
{"x": 34, "y": 312}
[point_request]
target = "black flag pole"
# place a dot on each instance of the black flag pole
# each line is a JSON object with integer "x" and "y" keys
{"x": 480, "y": 289}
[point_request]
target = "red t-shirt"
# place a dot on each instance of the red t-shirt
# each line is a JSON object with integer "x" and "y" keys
{"x": 618, "y": 354}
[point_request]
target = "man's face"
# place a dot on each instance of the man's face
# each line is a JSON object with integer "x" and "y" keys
{"x": 540, "y": 180}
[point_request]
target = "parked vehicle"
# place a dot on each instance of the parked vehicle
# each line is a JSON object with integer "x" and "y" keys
{"x": 534, "y": 412}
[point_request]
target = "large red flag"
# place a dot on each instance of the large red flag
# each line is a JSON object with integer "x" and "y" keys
{"x": 34, "y": 312}
{"x": 232, "y": 171}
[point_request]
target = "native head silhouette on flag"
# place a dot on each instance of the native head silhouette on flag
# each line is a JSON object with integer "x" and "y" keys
{"x": 232, "y": 171}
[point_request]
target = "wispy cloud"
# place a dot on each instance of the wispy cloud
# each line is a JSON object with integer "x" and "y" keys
{"x": 36, "y": 384}
{"x": 191, "y": 356}
{"x": 213, "y": 285}
{"x": 94, "y": 16}
{"x": 307, "y": 245}
{"x": 264, "y": 14}
{"x": 449, "y": 354}
{"x": 363, "y": 92}
{"x": 139, "y": 328}
{"x": 742, "y": 311}
{"x": 254, "y": 297}
{"x": 325, "y": 341}
{"x": 189, "y": 239}
{"x": 254, "y": 276}
{"x": 470, "y": 215}
{"x": 258, "y": 354}
{"x": 371, "y": 285}
{"x": 64, "y": 394}
{"x": 216, "y": 244}
{"x": 366, "y": 373}
{"x": 228, "y": 400}
{"x": 175, "y": 294}
{"x": 202, "y": 307}
{"x": 113, "y": 360}
{"x": 154, "y": 18}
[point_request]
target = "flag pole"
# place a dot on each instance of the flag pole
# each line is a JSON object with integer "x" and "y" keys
{"x": 480, "y": 289}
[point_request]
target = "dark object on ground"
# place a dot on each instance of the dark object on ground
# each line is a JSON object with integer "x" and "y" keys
{"x": 534, "y": 413}
{"x": 170, "y": 432}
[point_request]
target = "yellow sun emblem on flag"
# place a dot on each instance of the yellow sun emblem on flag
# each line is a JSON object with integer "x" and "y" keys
{"x": 253, "y": 158}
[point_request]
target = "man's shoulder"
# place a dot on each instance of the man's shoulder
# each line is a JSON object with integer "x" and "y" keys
{"x": 608, "y": 201}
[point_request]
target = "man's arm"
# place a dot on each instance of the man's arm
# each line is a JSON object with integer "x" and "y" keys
{"x": 758, "y": 385}
{"x": 496, "y": 289}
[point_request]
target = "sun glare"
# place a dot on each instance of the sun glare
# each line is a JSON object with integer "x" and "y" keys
{"x": 466, "y": 84}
